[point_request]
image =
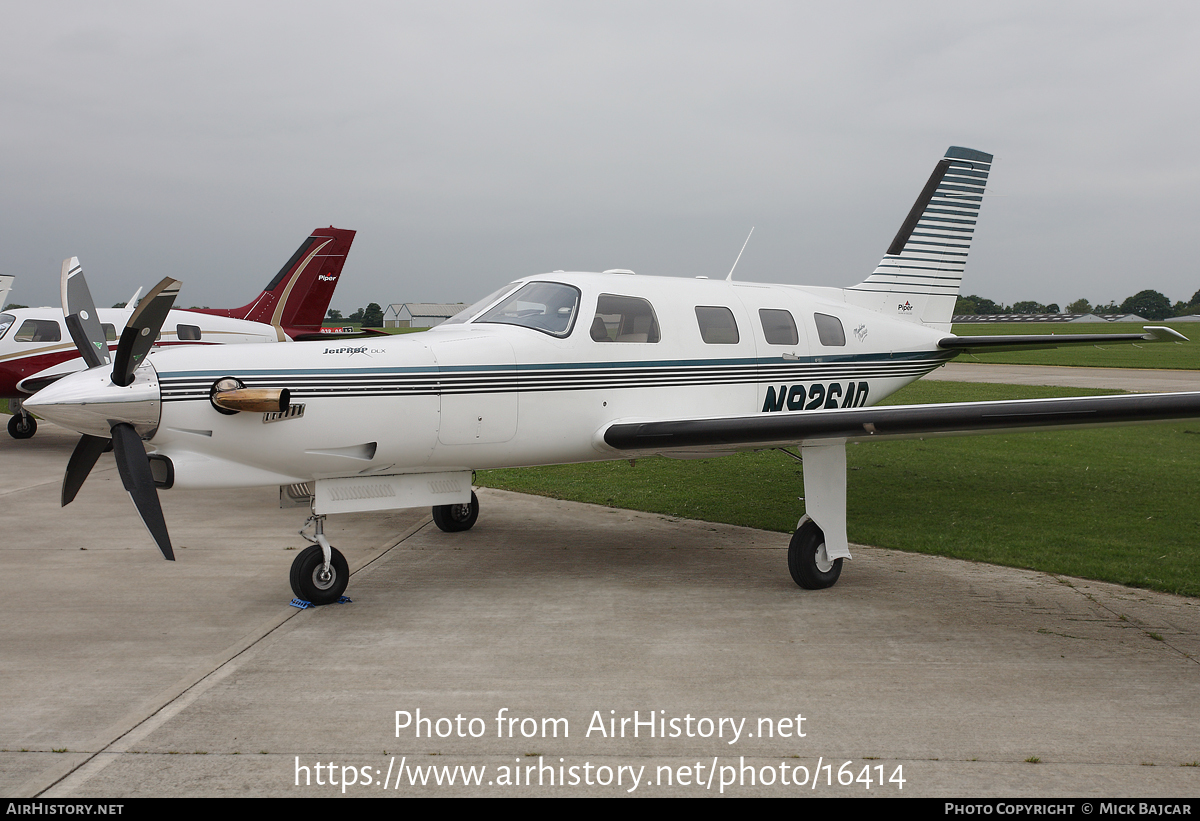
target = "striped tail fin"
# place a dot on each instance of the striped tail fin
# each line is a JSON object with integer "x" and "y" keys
{"x": 919, "y": 276}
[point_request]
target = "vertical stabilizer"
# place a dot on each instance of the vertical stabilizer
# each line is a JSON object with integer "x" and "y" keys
{"x": 920, "y": 275}
{"x": 297, "y": 298}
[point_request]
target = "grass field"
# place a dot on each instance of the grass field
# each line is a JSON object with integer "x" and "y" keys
{"x": 1116, "y": 504}
{"x": 1185, "y": 355}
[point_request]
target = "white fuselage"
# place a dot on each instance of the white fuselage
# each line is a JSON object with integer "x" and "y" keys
{"x": 36, "y": 346}
{"x": 481, "y": 394}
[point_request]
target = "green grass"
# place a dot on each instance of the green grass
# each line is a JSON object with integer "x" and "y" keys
{"x": 1184, "y": 355}
{"x": 1115, "y": 504}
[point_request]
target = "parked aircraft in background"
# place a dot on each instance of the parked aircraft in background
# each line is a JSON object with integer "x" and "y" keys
{"x": 569, "y": 367}
{"x": 6, "y": 282}
{"x": 36, "y": 347}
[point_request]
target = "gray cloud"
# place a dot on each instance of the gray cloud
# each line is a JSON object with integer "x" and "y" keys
{"x": 470, "y": 143}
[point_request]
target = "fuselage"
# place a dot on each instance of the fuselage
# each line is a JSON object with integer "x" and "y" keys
{"x": 531, "y": 377}
{"x": 36, "y": 348}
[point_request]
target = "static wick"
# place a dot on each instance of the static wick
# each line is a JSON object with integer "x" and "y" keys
{"x": 739, "y": 256}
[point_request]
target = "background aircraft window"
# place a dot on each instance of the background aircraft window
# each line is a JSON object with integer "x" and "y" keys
{"x": 6, "y": 320}
{"x": 38, "y": 330}
{"x": 110, "y": 332}
{"x": 717, "y": 326}
{"x": 829, "y": 329}
{"x": 465, "y": 314}
{"x": 624, "y": 319}
{"x": 189, "y": 333}
{"x": 549, "y": 307}
{"x": 778, "y": 326}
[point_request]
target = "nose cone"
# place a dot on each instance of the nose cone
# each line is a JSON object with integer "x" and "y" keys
{"x": 90, "y": 403}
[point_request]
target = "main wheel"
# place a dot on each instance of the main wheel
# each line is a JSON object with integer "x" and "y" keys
{"x": 808, "y": 560}
{"x": 21, "y": 426}
{"x": 311, "y": 583}
{"x": 456, "y": 518}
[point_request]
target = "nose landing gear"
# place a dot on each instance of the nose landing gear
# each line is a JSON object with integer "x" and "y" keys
{"x": 320, "y": 573}
{"x": 20, "y": 425}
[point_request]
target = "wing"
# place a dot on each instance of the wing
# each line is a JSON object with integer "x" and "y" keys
{"x": 766, "y": 430}
{"x": 822, "y": 435}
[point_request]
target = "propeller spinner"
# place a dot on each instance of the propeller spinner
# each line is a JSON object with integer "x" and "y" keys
{"x": 118, "y": 403}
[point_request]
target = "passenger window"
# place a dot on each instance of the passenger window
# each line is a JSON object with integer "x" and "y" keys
{"x": 717, "y": 326}
{"x": 829, "y": 329}
{"x": 778, "y": 326}
{"x": 38, "y": 330}
{"x": 110, "y": 332}
{"x": 6, "y": 321}
{"x": 624, "y": 319}
{"x": 187, "y": 333}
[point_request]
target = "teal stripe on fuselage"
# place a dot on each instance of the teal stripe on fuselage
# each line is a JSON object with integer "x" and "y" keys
{"x": 822, "y": 359}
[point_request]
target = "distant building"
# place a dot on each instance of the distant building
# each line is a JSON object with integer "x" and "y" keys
{"x": 419, "y": 314}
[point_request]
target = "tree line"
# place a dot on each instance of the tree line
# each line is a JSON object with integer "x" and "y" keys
{"x": 1149, "y": 304}
{"x": 369, "y": 317}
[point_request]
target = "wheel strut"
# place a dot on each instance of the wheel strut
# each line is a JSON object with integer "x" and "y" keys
{"x": 318, "y": 537}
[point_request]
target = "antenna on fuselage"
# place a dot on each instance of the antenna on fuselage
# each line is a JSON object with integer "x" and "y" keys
{"x": 739, "y": 256}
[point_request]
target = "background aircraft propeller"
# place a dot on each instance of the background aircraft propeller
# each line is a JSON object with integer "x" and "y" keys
{"x": 140, "y": 334}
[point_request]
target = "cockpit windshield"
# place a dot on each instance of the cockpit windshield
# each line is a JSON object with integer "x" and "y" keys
{"x": 465, "y": 315}
{"x": 6, "y": 320}
{"x": 549, "y": 307}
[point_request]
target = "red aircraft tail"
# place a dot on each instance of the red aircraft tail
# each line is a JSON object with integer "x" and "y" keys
{"x": 298, "y": 297}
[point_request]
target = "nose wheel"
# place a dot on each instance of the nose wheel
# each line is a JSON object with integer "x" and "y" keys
{"x": 20, "y": 425}
{"x": 320, "y": 573}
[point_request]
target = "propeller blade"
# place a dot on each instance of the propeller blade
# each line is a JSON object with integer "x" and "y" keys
{"x": 82, "y": 460}
{"x": 141, "y": 331}
{"x": 80, "y": 312}
{"x": 134, "y": 467}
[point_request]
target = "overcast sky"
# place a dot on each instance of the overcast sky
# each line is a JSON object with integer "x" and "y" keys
{"x": 472, "y": 143}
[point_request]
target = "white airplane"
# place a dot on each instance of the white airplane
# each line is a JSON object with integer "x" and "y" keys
{"x": 36, "y": 345}
{"x": 569, "y": 367}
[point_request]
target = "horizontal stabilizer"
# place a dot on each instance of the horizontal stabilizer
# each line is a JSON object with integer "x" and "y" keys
{"x": 1027, "y": 342}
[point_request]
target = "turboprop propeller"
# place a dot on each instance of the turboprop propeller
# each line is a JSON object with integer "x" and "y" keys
{"x": 121, "y": 401}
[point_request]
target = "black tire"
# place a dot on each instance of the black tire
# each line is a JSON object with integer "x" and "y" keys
{"x": 306, "y": 582}
{"x": 21, "y": 426}
{"x": 809, "y": 565}
{"x": 456, "y": 518}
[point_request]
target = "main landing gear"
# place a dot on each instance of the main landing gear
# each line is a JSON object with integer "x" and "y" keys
{"x": 457, "y": 518}
{"x": 320, "y": 573}
{"x": 808, "y": 560}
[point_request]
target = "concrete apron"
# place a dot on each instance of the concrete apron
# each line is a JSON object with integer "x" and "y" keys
{"x": 122, "y": 675}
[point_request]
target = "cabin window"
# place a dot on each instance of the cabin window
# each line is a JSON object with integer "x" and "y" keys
{"x": 110, "y": 332}
{"x": 778, "y": 326}
{"x": 829, "y": 329}
{"x": 6, "y": 321}
{"x": 624, "y": 319}
{"x": 717, "y": 325}
{"x": 549, "y": 307}
{"x": 38, "y": 330}
{"x": 187, "y": 333}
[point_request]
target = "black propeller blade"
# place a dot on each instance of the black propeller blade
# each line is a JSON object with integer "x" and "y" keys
{"x": 80, "y": 312}
{"x": 134, "y": 468}
{"x": 82, "y": 460}
{"x": 141, "y": 331}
